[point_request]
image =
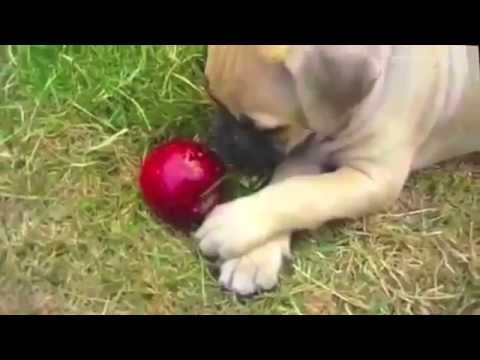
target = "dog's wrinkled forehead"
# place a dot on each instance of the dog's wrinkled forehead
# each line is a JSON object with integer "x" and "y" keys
{"x": 246, "y": 83}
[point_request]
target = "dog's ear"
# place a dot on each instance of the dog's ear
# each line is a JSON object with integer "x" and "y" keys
{"x": 335, "y": 78}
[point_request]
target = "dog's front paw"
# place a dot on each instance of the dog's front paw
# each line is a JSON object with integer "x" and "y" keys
{"x": 234, "y": 228}
{"x": 256, "y": 271}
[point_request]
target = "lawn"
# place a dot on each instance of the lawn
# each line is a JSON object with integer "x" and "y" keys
{"x": 75, "y": 236}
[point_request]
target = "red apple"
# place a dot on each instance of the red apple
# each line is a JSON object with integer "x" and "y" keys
{"x": 181, "y": 181}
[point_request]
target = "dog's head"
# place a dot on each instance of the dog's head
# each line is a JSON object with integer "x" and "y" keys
{"x": 269, "y": 98}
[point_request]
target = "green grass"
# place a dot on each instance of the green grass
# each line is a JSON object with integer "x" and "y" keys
{"x": 75, "y": 236}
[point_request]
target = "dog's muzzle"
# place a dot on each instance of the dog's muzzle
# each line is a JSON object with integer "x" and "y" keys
{"x": 242, "y": 146}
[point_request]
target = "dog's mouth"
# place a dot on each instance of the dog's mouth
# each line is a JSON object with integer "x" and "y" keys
{"x": 244, "y": 148}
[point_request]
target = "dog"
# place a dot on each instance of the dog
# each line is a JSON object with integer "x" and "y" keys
{"x": 340, "y": 127}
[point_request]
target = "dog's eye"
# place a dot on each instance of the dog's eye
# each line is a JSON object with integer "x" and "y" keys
{"x": 247, "y": 122}
{"x": 275, "y": 130}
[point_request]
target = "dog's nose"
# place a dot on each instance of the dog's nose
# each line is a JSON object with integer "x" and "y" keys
{"x": 244, "y": 147}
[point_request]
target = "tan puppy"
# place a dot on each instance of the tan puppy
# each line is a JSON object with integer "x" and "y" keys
{"x": 365, "y": 116}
